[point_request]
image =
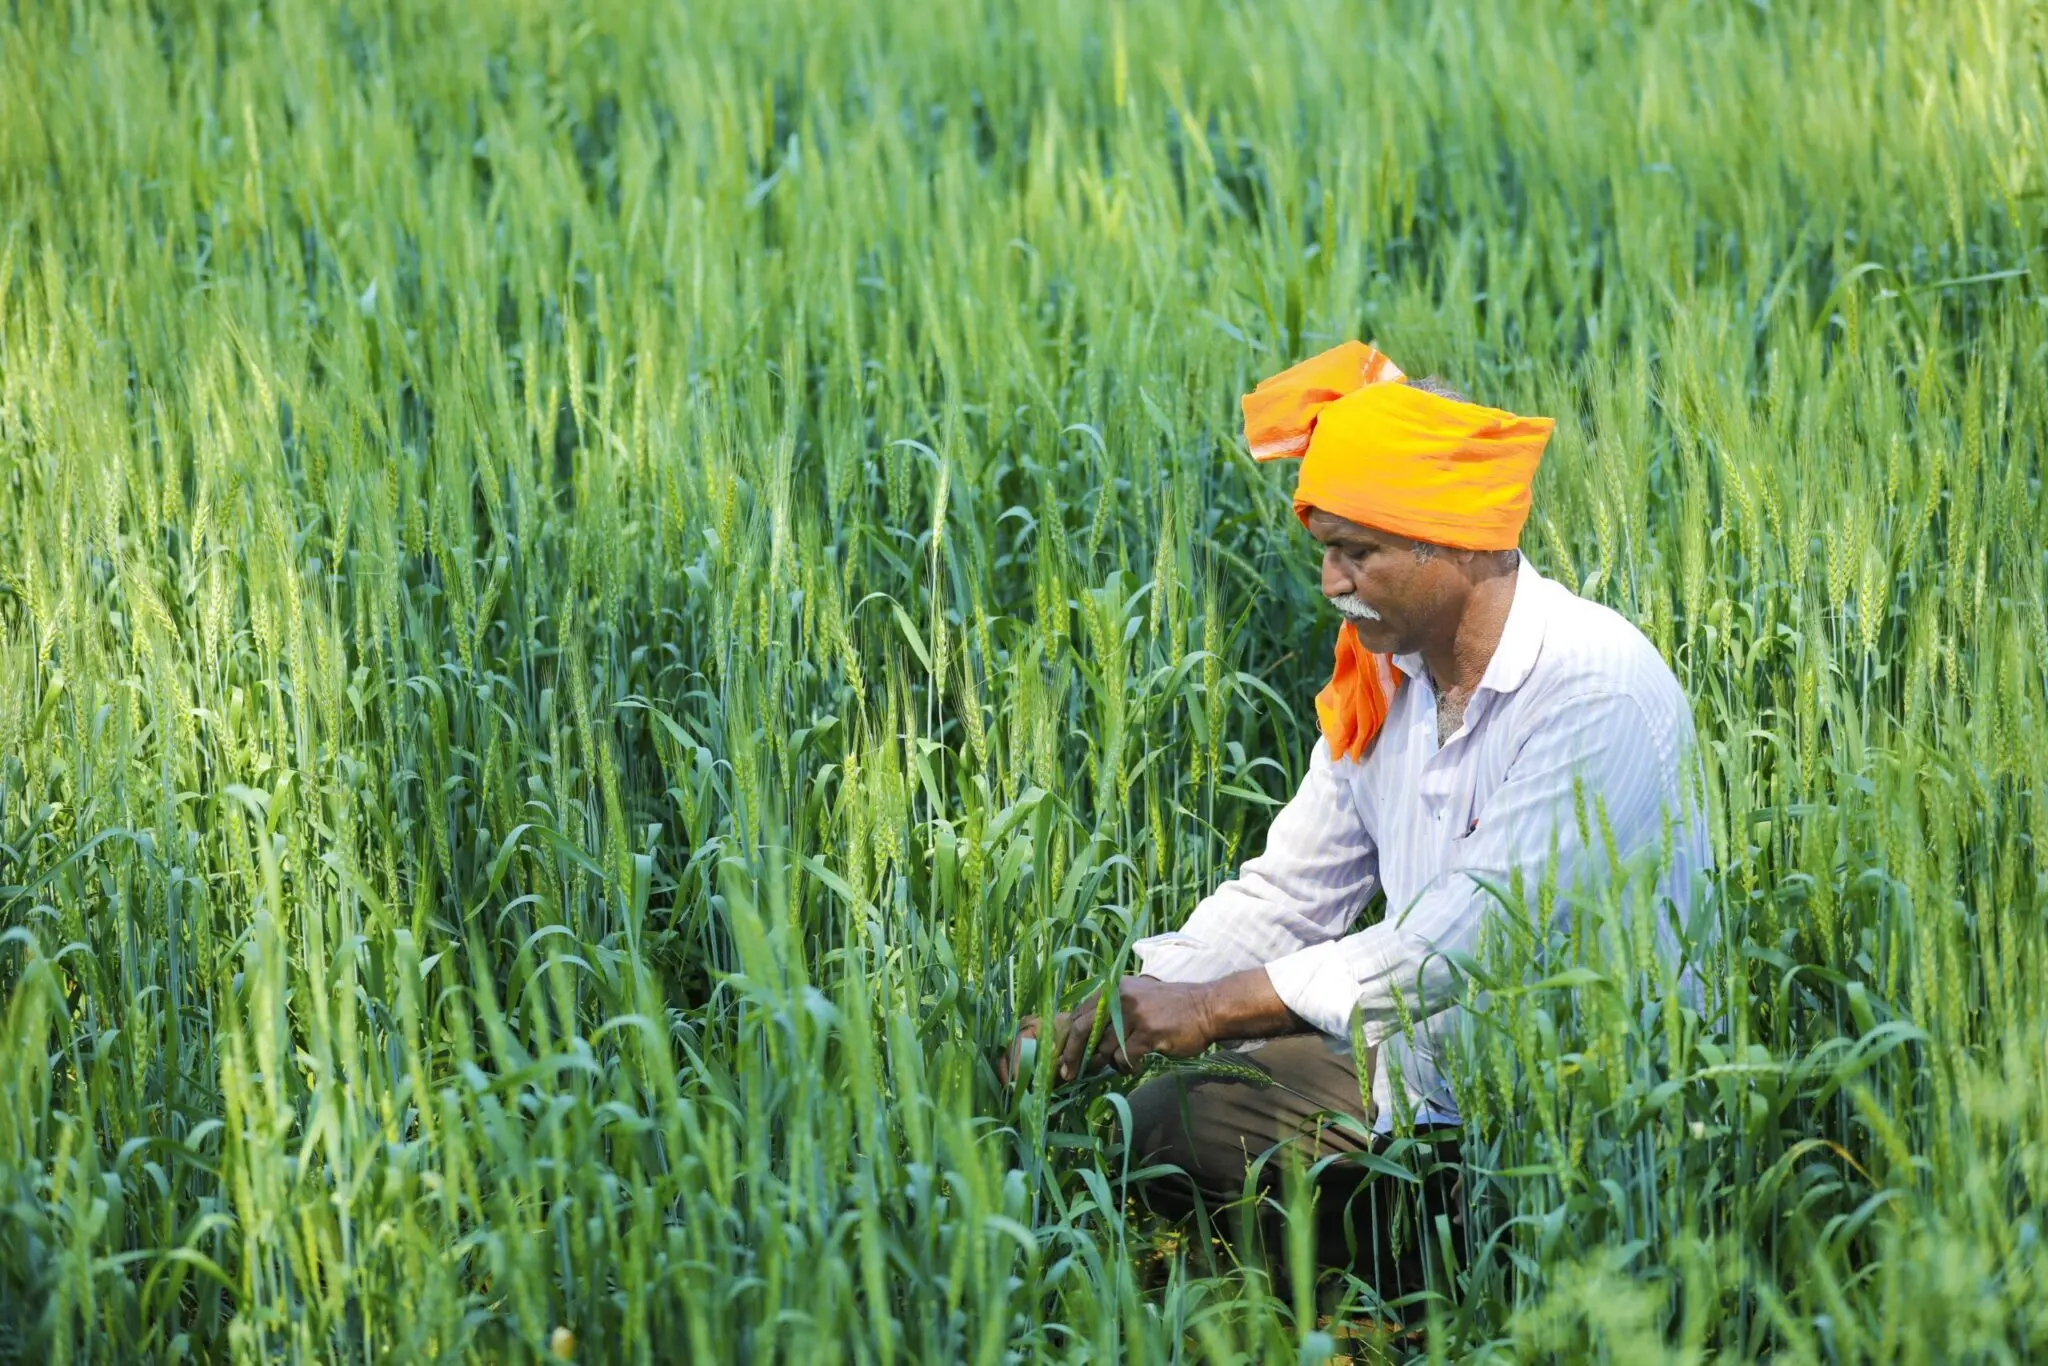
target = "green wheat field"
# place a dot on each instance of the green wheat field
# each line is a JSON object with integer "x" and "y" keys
{"x": 594, "y": 598}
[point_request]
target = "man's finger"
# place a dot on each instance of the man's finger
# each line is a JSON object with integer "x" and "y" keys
{"x": 1006, "y": 1063}
{"x": 1007, "y": 1057}
{"x": 1108, "y": 1046}
{"x": 1121, "y": 1054}
{"x": 1079, "y": 1023}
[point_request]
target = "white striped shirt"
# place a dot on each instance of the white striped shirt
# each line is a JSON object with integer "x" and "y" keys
{"x": 1573, "y": 692}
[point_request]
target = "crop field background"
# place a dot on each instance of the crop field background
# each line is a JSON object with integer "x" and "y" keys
{"x": 594, "y": 598}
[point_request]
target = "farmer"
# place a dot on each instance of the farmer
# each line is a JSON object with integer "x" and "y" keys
{"x": 1472, "y": 698}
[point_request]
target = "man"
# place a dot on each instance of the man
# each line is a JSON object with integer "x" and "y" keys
{"x": 1472, "y": 702}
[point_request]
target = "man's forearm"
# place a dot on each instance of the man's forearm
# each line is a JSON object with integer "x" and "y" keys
{"x": 1245, "y": 1006}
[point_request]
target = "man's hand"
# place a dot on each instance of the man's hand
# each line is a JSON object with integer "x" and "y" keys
{"x": 1159, "y": 1017}
{"x": 1179, "y": 1019}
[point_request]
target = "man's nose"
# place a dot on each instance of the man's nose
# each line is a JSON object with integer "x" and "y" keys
{"x": 1336, "y": 578}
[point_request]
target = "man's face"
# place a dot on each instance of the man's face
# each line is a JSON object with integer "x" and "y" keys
{"x": 1396, "y": 599}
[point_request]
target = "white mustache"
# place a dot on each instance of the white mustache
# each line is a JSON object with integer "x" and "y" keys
{"x": 1354, "y": 607}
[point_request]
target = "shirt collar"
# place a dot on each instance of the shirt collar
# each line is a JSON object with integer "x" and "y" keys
{"x": 1521, "y": 639}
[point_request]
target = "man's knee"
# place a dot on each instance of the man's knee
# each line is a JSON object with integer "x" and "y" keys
{"x": 1186, "y": 1126}
{"x": 1157, "y": 1133}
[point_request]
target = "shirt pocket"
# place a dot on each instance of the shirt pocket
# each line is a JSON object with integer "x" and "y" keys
{"x": 1461, "y": 811}
{"x": 1465, "y": 809}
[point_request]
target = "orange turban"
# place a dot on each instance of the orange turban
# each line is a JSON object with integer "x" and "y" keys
{"x": 1388, "y": 455}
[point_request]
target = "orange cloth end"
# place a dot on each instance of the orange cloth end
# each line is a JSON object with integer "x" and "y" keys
{"x": 1352, "y": 707}
{"x": 1280, "y": 415}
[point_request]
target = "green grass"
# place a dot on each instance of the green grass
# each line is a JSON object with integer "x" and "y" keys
{"x": 593, "y": 599}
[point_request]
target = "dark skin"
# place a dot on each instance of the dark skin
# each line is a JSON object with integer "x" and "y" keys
{"x": 1447, "y": 605}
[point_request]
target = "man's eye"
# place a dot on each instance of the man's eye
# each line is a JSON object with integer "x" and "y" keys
{"x": 1344, "y": 554}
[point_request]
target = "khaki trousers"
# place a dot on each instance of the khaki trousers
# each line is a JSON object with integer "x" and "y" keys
{"x": 1213, "y": 1129}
